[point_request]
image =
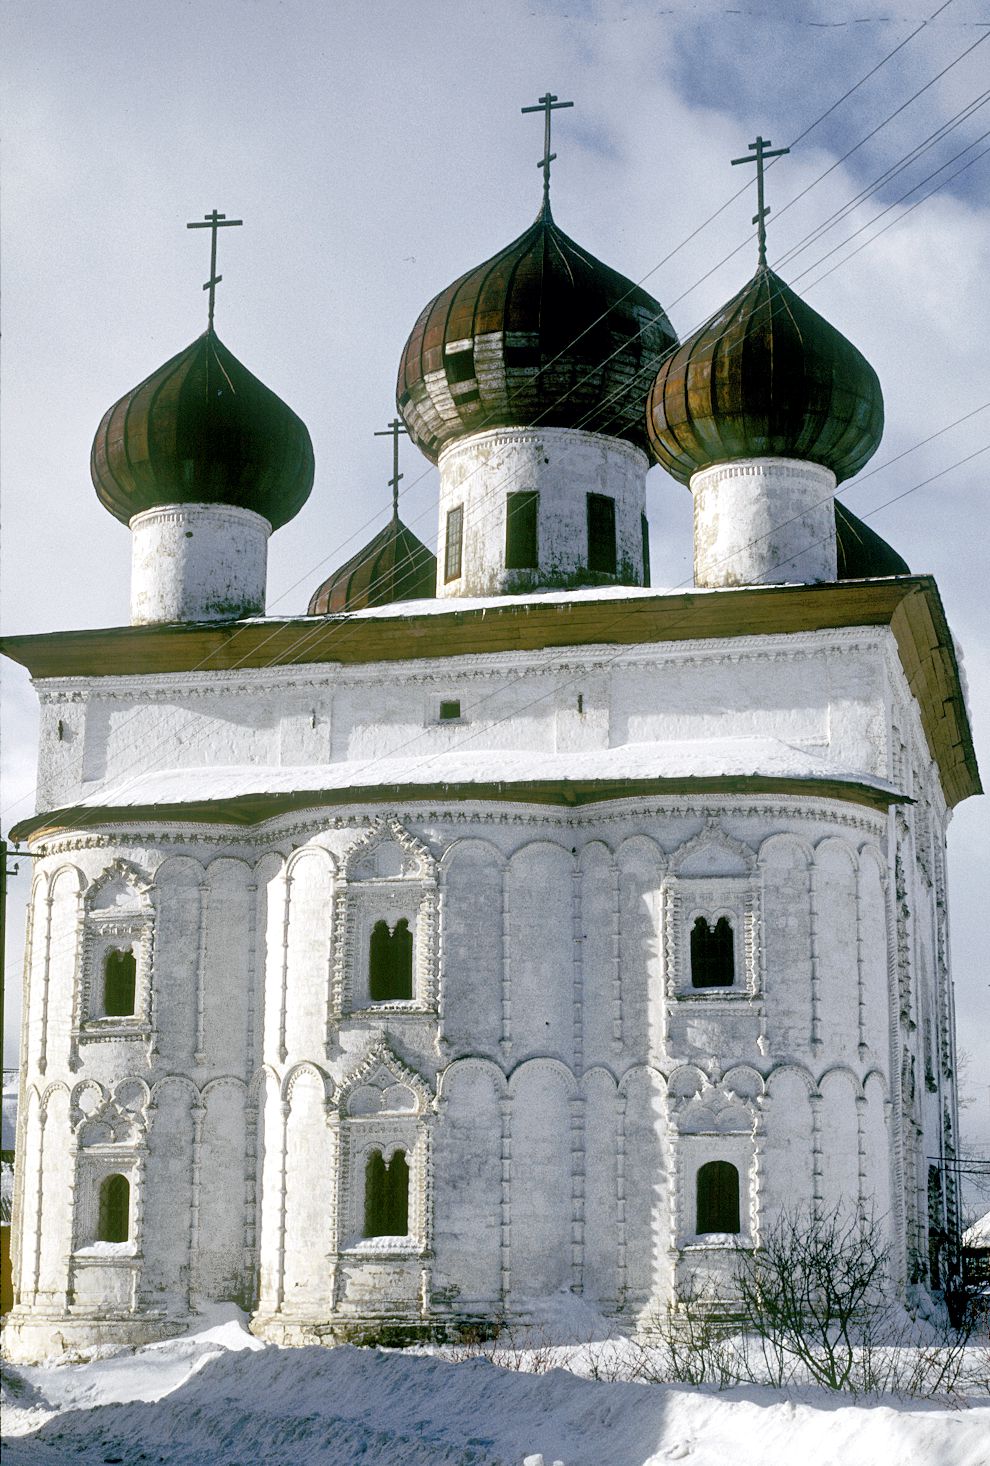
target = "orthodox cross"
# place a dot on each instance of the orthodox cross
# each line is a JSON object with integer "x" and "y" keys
{"x": 546, "y": 105}
{"x": 761, "y": 150}
{"x": 395, "y": 431}
{"x": 214, "y": 222}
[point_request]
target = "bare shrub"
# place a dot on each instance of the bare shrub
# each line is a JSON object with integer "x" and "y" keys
{"x": 808, "y": 1291}
{"x": 689, "y": 1343}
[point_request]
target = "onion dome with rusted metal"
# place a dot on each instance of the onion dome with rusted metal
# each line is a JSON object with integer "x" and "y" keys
{"x": 542, "y": 334}
{"x": 394, "y": 566}
{"x": 766, "y": 376}
{"x": 203, "y": 430}
{"x": 862, "y": 554}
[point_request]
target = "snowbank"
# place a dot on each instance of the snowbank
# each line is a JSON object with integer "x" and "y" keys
{"x": 220, "y": 1398}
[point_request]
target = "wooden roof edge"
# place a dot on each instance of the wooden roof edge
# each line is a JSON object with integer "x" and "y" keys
{"x": 937, "y": 683}
{"x": 247, "y": 810}
{"x": 56, "y": 653}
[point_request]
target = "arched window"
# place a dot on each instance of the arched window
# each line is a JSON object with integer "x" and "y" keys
{"x": 390, "y": 961}
{"x": 119, "y": 977}
{"x": 712, "y": 958}
{"x": 115, "y": 1210}
{"x": 718, "y": 1198}
{"x": 386, "y": 1195}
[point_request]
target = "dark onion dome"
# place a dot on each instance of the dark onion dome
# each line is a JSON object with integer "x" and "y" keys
{"x": 862, "y": 554}
{"x": 765, "y": 376}
{"x": 202, "y": 430}
{"x": 395, "y": 566}
{"x": 541, "y": 334}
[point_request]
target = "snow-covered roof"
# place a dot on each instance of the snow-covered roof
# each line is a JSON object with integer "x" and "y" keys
{"x": 686, "y": 759}
{"x": 978, "y": 1235}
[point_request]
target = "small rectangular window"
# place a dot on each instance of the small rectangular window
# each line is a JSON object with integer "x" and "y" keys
{"x": 455, "y": 533}
{"x": 601, "y": 533}
{"x": 450, "y": 710}
{"x": 521, "y": 533}
{"x": 645, "y": 530}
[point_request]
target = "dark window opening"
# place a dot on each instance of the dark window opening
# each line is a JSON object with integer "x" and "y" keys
{"x": 645, "y": 532}
{"x": 937, "y": 1236}
{"x": 601, "y": 533}
{"x": 712, "y": 956}
{"x": 718, "y": 1198}
{"x": 386, "y": 1195}
{"x": 459, "y": 365}
{"x": 115, "y": 1210}
{"x": 119, "y": 980}
{"x": 390, "y": 962}
{"x": 521, "y": 534}
{"x": 450, "y": 708}
{"x": 455, "y": 533}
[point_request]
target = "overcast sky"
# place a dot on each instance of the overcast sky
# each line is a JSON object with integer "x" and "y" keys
{"x": 375, "y": 152}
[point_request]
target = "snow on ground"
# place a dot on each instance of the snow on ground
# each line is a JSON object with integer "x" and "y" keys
{"x": 221, "y": 1398}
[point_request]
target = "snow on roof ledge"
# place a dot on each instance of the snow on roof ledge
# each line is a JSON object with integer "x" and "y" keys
{"x": 683, "y": 759}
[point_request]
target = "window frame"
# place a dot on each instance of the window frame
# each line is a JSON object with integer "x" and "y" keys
{"x": 603, "y": 556}
{"x": 522, "y": 529}
{"x": 453, "y": 554}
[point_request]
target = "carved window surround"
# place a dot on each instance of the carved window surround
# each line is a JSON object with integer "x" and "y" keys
{"x": 388, "y": 875}
{"x": 737, "y": 898}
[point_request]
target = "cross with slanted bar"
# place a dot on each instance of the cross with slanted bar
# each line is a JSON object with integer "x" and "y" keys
{"x": 762, "y": 150}
{"x": 546, "y": 105}
{"x": 214, "y": 222}
{"x": 395, "y": 431}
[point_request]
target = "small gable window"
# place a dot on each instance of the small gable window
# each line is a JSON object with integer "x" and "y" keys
{"x": 601, "y": 533}
{"x": 390, "y": 957}
{"x": 119, "y": 979}
{"x": 386, "y": 1195}
{"x": 718, "y": 1198}
{"x": 712, "y": 954}
{"x": 115, "y": 1210}
{"x": 521, "y": 538}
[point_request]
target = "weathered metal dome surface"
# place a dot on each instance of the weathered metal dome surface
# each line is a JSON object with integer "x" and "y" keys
{"x": 765, "y": 376}
{"x": 394, "y": 566}
{"x": 203, "y": 430}
{"x": 862, "y": 553}
{"x": 541, "y": 334}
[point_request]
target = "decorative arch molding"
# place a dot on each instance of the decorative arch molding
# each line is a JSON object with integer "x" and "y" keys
{"x": 650, "y": 1071}
{"x": 837, "y": 845}
{"x": 835, "y": 1071}
{"x": 382, "y": 1071}
{"x": 387, "y": 877}
{"x": 591, "y": 1077}
{"x": 369, "y": 858}
{"x": 799, "y": 1071}
{"x": 48, "y": 1093}
{"x": 465, "y": 844}
{"x": 122, "y": 872}
{"x": 258, "y": 1082}
{"x": 487, "y": 1068}
{"x": 545, "y": 1066}
{"x": 309, "y": 851}
{"x": 785, "y": 840}
{"x": 713, "y": 852}
{"x": 307, "y": 1066}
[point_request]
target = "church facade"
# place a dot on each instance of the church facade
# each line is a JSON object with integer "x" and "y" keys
{"x": 506, "y": 931}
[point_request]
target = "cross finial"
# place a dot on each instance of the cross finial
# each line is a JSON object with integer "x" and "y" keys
{"x": 546, "y": 105}
{"x": 760, "y": 150}
{"x": 395, "y": 431}
{"x": 213, "y": 222}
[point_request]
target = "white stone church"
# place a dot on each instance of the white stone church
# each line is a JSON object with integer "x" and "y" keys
{"x": 503, "y": 926}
